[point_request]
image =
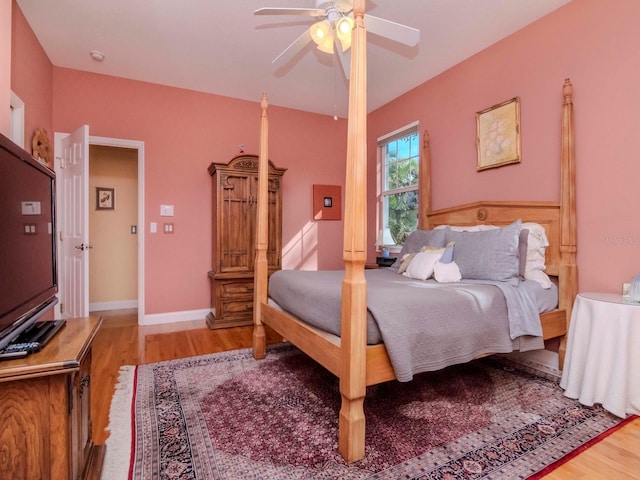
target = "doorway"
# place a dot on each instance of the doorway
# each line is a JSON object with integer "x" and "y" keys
{"x": 134, "y": 151}
{"x": 113, "y": 228}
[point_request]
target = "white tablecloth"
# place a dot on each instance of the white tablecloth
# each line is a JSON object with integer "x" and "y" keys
{"x": 602, "y": 363}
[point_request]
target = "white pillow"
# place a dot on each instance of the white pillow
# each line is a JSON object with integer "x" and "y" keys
{"x": 446, "y": 272}
{"x": 406, "y": 260}
{"x": 421, "y": 266}
{"x": 537, "y": 243}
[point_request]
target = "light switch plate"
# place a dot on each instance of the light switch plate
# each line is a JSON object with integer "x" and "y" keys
{"x": 166, "y": 210}
{"x": 31, "y": 208}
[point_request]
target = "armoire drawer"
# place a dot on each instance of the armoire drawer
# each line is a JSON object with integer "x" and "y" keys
{"x": 235, "y": 288}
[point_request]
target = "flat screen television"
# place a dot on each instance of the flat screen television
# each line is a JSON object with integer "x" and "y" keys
{"x": 28, "y": 273}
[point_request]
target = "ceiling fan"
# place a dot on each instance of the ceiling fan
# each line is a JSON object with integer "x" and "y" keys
{"x": 332, "y": 32}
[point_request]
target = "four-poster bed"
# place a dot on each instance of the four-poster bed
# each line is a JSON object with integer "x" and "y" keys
{"x": 348, "y": 356}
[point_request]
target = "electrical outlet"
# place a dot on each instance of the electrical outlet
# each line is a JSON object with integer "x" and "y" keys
{"x": 168, "y": 228}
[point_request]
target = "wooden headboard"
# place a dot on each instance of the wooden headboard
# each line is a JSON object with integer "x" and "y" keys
{"x": 558, "y": 218}
{"x": 546, "y": 214}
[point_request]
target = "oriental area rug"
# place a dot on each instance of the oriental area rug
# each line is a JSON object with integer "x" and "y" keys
{"x": 227, "y": 416}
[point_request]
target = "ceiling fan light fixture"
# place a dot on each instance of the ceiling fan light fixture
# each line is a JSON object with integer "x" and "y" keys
{"x": 344, "y": 26}
{"x": 320, "y": 32}
{"x": 327, "y": 45}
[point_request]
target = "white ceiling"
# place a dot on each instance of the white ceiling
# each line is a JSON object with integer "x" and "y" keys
{"x": 220, "y": 47}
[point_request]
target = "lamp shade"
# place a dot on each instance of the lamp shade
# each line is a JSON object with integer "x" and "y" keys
{"x": 634, "y": 290}
{"x": 327, "y": 45}
{"x": 344, "y": 26}
{"x": 320, "y": 32}
{"x": 385, "y": 238}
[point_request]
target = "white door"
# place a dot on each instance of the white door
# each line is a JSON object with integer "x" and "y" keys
{"x": 74, "y": 192}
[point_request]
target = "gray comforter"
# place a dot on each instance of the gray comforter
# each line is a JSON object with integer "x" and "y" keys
{"x": 424, "y": 325}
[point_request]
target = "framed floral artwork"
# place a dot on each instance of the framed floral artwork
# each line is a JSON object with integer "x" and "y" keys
{"x": 105, "y": 198}
{"x": 498, "y": 134}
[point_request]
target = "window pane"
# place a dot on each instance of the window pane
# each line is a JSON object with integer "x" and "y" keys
{"x": 401, "y": 214}
{"x": 400, "y": 157}
{"x": 401, "y": 162}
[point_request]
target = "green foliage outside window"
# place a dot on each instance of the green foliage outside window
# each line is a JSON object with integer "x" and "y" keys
{"x": 403, "y": 215}
{"x": 400, "y": 194}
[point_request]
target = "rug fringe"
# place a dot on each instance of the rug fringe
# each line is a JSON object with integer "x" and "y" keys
{"x": 118, "y": 454}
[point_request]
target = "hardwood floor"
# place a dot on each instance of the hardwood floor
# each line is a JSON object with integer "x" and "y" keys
{"x": 121, "y": 341}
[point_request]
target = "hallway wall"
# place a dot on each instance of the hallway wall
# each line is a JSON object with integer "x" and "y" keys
{"x": 113, "y": 261}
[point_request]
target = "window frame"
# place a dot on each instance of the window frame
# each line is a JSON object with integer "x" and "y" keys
{"x": 383, "y": 192}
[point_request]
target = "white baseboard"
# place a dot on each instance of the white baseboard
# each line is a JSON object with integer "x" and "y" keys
{"x": 173, "y": 317}
{"x": 113, "y": 305}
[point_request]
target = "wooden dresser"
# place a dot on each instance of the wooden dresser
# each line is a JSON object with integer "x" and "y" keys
{"x": 235, "y": 189}
{"x": 45, "y": 409}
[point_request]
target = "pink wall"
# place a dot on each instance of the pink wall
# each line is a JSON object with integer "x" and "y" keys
{"x": 184, "y": 131}
{"x": 593, "y": 42}
{"x": 31, "y": 77}
{"x": 5, "y": 63}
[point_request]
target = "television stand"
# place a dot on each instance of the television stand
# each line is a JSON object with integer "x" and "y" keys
{"x": 45, "y": 409}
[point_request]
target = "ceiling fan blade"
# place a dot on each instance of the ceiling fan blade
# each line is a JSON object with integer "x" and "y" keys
{"x": 291, "y": 51}
{"x": 313, "y": 12}
{"x": 345, "y": 60}
{"x": 343, "y": 6}
{"x": 392, "y": 30}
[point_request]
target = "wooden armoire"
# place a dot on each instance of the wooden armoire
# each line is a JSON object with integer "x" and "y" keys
{"x": 235, "y": 191}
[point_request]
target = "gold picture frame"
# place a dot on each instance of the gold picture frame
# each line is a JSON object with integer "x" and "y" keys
{"x": 498, "y": 134}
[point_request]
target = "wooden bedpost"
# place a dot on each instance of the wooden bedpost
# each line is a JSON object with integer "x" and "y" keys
{"x": 568, "y": 288}
{"x": 354, "y": 288}
{"x": 424, "y": 197}
{"x": 262, "y": 236}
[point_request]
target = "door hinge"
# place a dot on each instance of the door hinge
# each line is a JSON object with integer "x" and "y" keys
{"x": 62, "y": 308}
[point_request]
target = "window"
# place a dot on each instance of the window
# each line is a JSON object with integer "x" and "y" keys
{"x": 399, "y": 155}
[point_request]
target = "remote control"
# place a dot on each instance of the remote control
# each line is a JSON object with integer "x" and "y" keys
{"x": 19, "y": 347}
{"x": 10, "y": 355}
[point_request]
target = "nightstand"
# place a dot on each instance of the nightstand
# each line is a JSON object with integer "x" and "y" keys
{"x": 603, "y": 353}
{"x": 385, "y": 261}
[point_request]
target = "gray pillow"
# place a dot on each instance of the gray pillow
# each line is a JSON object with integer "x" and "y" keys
{"x": 488, "y": 254}
{"x": 418, "y": 239}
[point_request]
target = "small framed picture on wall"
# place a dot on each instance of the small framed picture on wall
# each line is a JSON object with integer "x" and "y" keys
{"x": 105, "y": 198}
{"x": 498, "y": 134}
{"x": 327, "y": 202}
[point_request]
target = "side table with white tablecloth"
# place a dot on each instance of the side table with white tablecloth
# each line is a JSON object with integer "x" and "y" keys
{"x": 602, "y": 363}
